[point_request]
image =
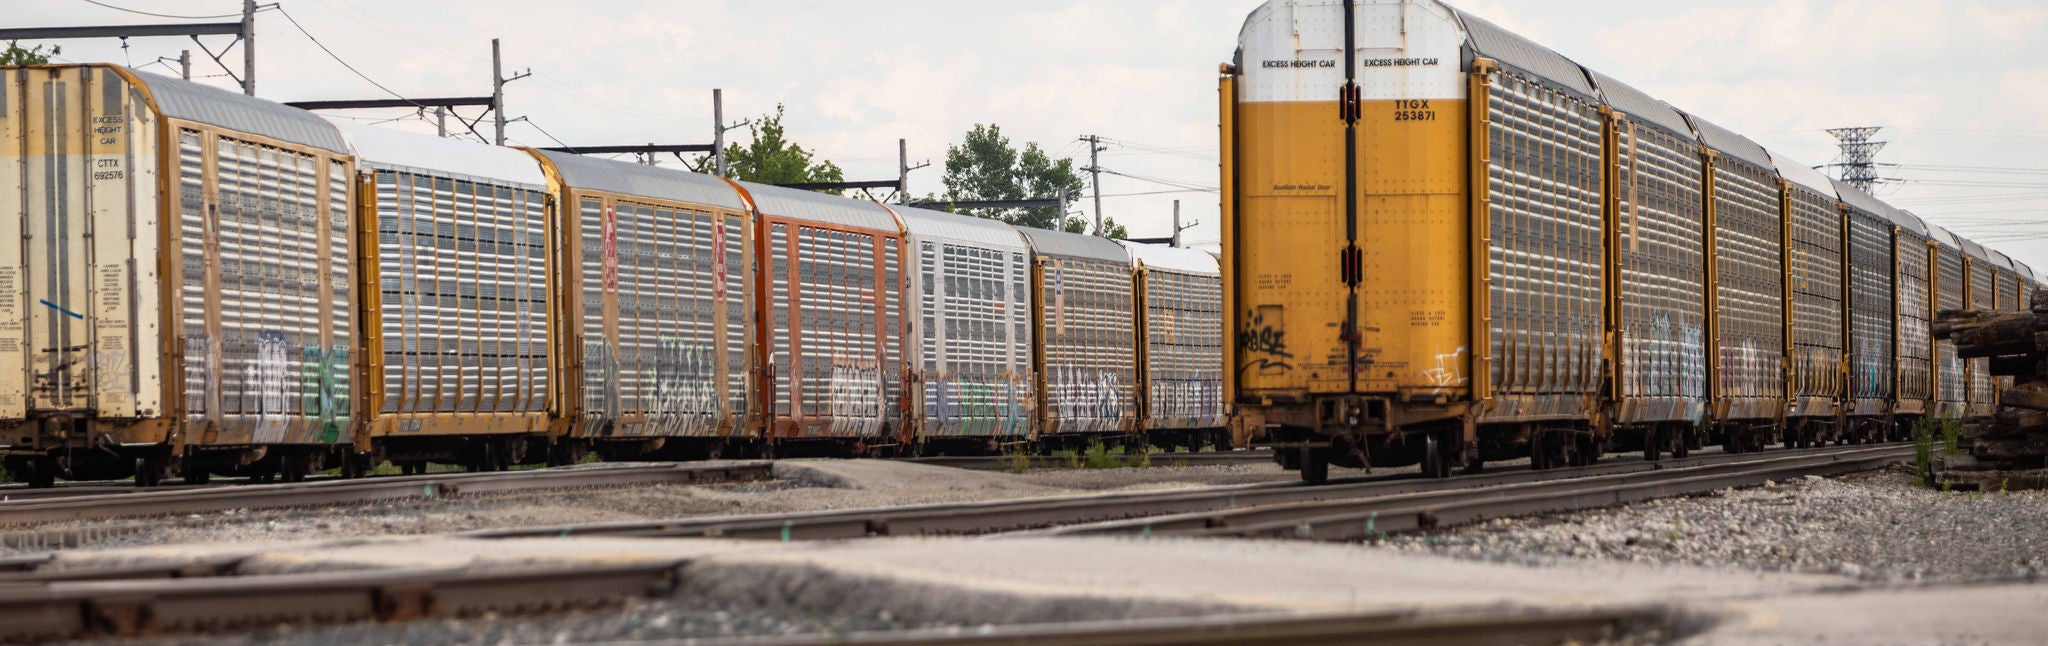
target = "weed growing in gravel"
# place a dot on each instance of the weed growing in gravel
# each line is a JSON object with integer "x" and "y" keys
{"x": 1099, "y": 457}
{"x": 1018, "y": 460}
{"x": 1923, "y": 450}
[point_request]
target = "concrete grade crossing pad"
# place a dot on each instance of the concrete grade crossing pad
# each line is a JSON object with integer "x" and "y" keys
{"x": 1037, "y": 579}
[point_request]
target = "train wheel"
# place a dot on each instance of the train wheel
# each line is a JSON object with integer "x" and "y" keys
{"x": 1436, "y": 460}
{"x": 1315, "y": 465}
{"x": 1654, "y": 439}
{"x": 1196, "y": 441}
{"x": 39, "y": 473}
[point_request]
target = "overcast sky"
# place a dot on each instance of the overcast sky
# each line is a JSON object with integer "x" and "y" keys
{"x": 1961, "y": 86}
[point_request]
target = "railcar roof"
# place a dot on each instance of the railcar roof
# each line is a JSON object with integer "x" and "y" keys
{"x": 1940, "y": 235}
{"x": 1491, "y": 41}
{"x": 820, "y": 207}
{"x": 1804, "y": 175}
{"x": 641, "y": 180}
{"x": 1640, "y": 106}
{"x": 182, "y": 99}
{"x": 927, "y": 223}
{"x": 390, "y": 147}
{"x": 1174, "y": 259}
{"x": 1726, "y": 142}
{"x": 1060, "y": 244}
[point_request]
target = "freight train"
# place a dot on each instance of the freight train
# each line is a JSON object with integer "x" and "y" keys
{"x": 1446, "y": 244}
{"x": 207, "y": 283}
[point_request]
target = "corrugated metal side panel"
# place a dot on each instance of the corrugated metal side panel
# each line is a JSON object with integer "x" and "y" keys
{"x": 1870, "y": 314}
{"x": 1491, "y": 41}
{"x": 1662, "y": 261}
{"x": 202, "y": 355}
{"x": 1915, "y": 335}
{"x": 1184, "y": 350}
{"x": 1951, "y": 387}
{"x": 835, "y": 347}
{"x": 462, "y": 273}
{"x": 1750, "y": 297}
{"x": 974, "y": 306}
{"x": 181, "y": 99}
{"x": 641, "y": 180}
{"x": 1816, "y": 264}
{"x": 657, "y": 331}
{"x": 281, "y": 377}
{"x": 1090, "y": 366}
{"x": 1544, "y": 194}
{"x": 600, "y": 370}
{"x": 1983, "y": 295}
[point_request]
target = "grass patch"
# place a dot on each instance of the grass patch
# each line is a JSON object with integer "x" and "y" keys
{"x": 1929, "y": 435}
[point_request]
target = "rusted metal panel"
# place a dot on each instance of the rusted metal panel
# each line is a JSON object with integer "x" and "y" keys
{"x": 832, "y": 287}
{"x": 1546, "y": 319}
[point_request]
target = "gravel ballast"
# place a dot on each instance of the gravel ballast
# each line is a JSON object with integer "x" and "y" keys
{"x": 1878, "y": 526}
{"x": 799, "y": 485}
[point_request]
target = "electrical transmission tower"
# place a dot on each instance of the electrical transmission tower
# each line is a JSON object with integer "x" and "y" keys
{"x": 1859, "y": 154}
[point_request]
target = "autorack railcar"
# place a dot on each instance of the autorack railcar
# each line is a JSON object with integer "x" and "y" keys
{"x": 455, "y": 298}
{"x": 972, "y": 377}
{"x": 654, "y": 326}
{"x": 1444, "y": 243}
{"x": 1180, "y": 347}
{"x": 1085, "y": 356}
{"x": 184, "y": 298}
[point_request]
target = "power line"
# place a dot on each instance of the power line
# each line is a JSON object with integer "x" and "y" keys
{"x": 330, "y": 53}
{"x": 543, "y": 131}
{"x": 161, "y": 15}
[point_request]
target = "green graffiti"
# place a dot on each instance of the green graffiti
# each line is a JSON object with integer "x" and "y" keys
{"x": 323, "y": 380}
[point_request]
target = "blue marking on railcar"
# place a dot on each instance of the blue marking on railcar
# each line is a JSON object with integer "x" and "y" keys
{"x": 60, "y": 308}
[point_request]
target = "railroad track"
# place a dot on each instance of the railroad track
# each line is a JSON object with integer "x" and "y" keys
{"x": 195, "y": 500}
{"x": 1498, "y": 627}
{"x": 1189, "y": 505}
{"x": 1007, "y": 463}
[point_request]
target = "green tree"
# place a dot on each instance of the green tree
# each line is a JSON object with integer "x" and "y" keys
{"x": 18, "y": 55}
{"x": 771, "y": 158}
{"x": 985, "y": 166}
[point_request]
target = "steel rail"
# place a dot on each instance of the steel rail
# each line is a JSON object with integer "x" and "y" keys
{"x": 1005, "y": 463}
{"x": 1310, "y": 629}
{"x": 1034, "y": 513}
{"x": 1350, "y": 520}
{"x": 368, "y": 490}
{"x": 82, "y": 609}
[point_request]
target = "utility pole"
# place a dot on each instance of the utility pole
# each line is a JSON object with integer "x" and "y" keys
{"x": 1095, "y": 176}
{"x": 1176, "y": 223}
{"x": 718, "y": 130}
{"x": 497, "y": 91}
{"x": 903, "y": 169}
{"x": 441, "y": 120}
{"x": 249, "y": 47}
{"x": 185, "y": 64}
{"x": 1059, "y": 220}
